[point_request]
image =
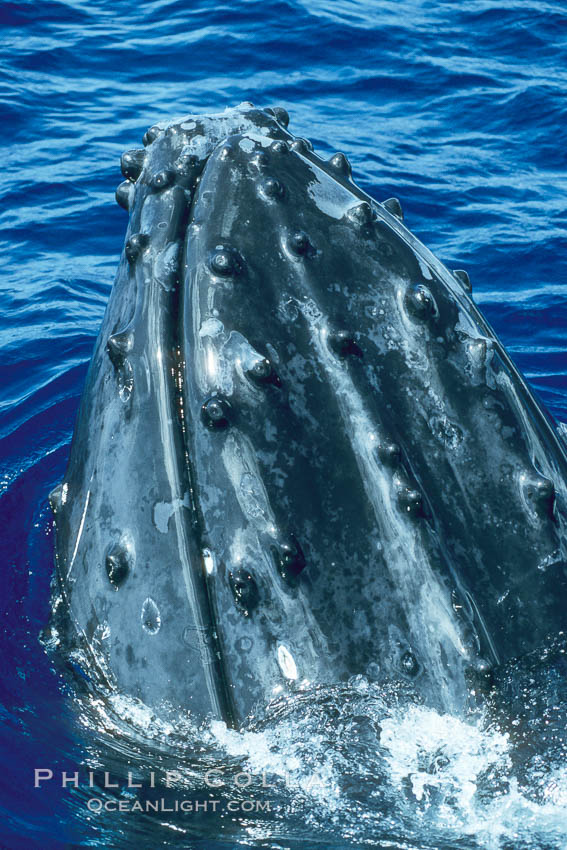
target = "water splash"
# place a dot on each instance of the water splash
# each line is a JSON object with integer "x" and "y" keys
{"x": 356, "y": 763}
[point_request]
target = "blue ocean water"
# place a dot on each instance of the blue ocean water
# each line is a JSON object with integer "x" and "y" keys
{"x": 457, "y": 109}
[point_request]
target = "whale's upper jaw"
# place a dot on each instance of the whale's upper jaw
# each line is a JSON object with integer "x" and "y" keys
{"x": 301, "y": 453}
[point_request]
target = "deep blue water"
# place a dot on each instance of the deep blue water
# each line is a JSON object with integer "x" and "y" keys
{"x": 458, "y": 109}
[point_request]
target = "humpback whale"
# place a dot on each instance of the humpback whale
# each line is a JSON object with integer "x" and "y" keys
{"x": 302, "y": 454}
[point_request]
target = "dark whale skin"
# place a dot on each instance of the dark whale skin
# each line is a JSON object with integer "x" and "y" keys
{"x": 301, "y": 453}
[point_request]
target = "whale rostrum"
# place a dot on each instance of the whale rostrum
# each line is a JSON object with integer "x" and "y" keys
{"x": 301, "y": 453}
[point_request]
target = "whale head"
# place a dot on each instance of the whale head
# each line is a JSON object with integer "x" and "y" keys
{"x": 302, "y": 455}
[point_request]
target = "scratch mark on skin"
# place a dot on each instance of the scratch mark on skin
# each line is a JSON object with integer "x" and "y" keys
{"x": 79, "y": 535}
